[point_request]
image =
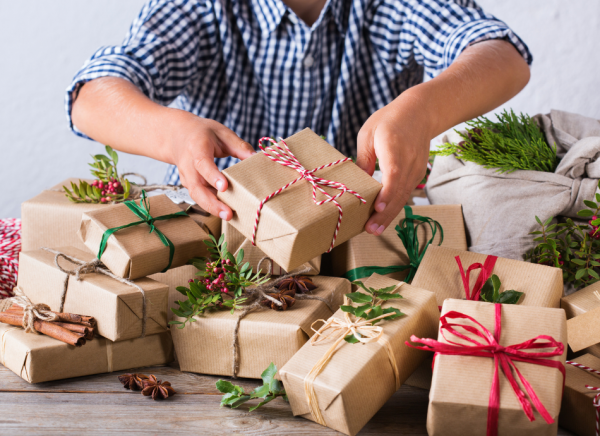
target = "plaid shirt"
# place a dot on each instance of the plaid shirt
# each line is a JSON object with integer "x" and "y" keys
{"x": 257, "y": 68}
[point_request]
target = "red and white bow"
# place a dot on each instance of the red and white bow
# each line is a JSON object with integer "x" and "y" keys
{"x": 596, "y": 401}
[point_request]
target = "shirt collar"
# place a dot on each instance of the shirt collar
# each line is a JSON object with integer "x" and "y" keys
{"x": 270, "y": 13}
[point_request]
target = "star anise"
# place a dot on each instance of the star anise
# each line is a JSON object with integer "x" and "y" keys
{"x": 159, "y": 390}
{"x": 135, "y": 382}
{"x": 300, "y": 284}
{"x": 286, "y": 297}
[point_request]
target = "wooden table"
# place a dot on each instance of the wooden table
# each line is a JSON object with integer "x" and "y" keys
{"x": 99, "y": 405}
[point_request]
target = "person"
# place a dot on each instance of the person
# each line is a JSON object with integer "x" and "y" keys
{"x": 195, "y": 82}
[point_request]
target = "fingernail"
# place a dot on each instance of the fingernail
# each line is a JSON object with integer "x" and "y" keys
{"x": 379, "y": 231}
{"x": 373, "y": 228}
{"x": 223, "y": 215}
{"x": 380, "y": 207}
{"x": 220, "y": 185}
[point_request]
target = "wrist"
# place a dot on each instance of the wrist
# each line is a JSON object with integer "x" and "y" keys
{"x": 417, "y": 107}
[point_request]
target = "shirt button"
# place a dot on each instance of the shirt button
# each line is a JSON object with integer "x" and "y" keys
{"x": 308, "y": 61}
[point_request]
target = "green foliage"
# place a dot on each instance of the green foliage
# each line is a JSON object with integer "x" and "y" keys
{"x": 512, "y": 143}
{"x": 203, "y": 295}
{"x": 490, "y": 292}
{"x": 235, "y": 395}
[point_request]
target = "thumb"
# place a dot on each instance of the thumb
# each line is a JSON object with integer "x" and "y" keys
{"x": 366, "y": 158}
{"x": 232, "y": 145}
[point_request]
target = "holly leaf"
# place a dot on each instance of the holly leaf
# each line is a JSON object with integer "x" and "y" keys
{"x": 487, "y": 291}
{"x": 351, "y": 339}
{"x": 349, "y": 309}
{"x": 359, "y": 297}
{"x": 496, "y": 283}
{"x": 269, "y": 374}
{"x": 262, "y": 403}
{"x": 261, "y": 391}
{"x": 225, "y": 386}
{"x": 509, "y": 297}
{"x": 397, "y": 313}
{"x": 360, "y": 284}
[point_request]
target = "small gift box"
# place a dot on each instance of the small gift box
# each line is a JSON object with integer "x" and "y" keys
{"x": 136, "y": 239}
{"x": 398, "y": 251}
{"x": 264, "y": 335}
{"x": 70, "y": 282}
{"x": 342, "y": 385}
{"x": 499, "y": 369}
{"x": 583, "y": 309}
{"x": 253, "y": 255}
{"x": 289, "y": 199}
{"x": 451, "y": 273}
{"x": 39, "y": 358}
{"x": 579, "y": 412}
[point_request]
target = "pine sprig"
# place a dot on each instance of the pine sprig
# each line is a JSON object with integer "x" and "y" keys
{"x": 512, "y": 143}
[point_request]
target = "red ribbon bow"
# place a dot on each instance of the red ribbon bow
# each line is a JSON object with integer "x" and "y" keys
{"x": 486, "y": 272}
{"x": 596, "y": 401}
{"x": 282, "y": 155}
{"x": 503, "y": 357}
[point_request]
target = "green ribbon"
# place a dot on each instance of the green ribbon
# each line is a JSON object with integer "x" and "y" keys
{"x": 142, "y": 211}
{"x": 407, "y": 232}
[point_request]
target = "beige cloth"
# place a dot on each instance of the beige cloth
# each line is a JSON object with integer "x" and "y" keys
{"x": 500, "y": 209}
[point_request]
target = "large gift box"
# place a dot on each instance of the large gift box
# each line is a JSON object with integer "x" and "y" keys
{"x": 292, "y": 228}
{"x": 441, "y": 273}
{"x": 117, "y": 306}
{"x": 501, "y": 350}
{"x": 387, "y": 254}
{"x": 136, "y": 239}
{"x": 253, "y": 255}
{"x": 174, "y": 278}
{"x": 583, "y": 309}
{"x": 39, "y": 358}
{"x": 358, "y": 379}
{"x": 206, "y": 345}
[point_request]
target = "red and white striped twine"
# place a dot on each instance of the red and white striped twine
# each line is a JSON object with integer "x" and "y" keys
{"x": 282, "y": 155}
{"x": 592, "y": 388}
{"x": 10, "y": 246}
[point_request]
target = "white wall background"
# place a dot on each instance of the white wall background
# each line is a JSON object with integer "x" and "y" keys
{"x": 44, "y": 42}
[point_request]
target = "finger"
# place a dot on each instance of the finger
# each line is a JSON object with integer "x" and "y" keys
{"x": 366, "y": 158}
{"x": 204, "y": 163}
{"x": 232, "y": 145}
{"x": 203, "y": 194}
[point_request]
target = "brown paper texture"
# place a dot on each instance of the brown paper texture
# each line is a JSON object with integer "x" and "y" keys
{"x": 253, "y": 255}
{"x": 173, "y": 278}
{"x": 265, "y": 335}
{"x": 460, "y": 387}
{"x": 292, "y": 229}
{"x": 582, "y": 309}
{"x": 439, "y": 273}
{"x": 211, "y": 225}
{"x": 39, "y": 358}
{"x": 359, "y": 379}
{"x": 421, "y": 378}
{"x": 116, "y": 306}
{"x": 388, "y": 250}
{"x": 577, "y": 413}
{"x": 134, "y": 252}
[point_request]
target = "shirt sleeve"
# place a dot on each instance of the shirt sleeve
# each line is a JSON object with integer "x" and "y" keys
{"x": 167, "y": 45}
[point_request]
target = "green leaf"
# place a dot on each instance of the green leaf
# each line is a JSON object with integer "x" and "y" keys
{"x": 578, "y": 262}
{"x": 360, "y": 284}
{"x": 261, "y": 391}
{"x": 351, "y": 339}
{"x": 240, "y": 256}
{"x": 580, "y": 273}
{"x": 397, "y": 313}
{"x": 538, "y": 220}
{"x": 496, "y": 283}
{"x": 262, "y": 403}
{"x": 349, "y": 309}
{"x": 487, "y": 291}
{"x": 386, "y": 296}
{"x": 509, "y": 297}
{"x": 360, "y": 310}
{"x": 269, "y": 373}
{"x": 585, "y": 213}
{"x": 225, "y": 386}
{"x": 590, "y": 204}
{"x": 548, "y": 221}
{"x": 240, "y": 401}
{"x": 359, "y": 297}
{"x": 593, "y": 273}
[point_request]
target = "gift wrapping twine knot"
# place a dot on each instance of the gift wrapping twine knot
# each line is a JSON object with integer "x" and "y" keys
{"x": 282, "y": 155}
{"x": 596, "y": 401}
{"x": 484, "y": 274}
{"x": 504, "y": 357}
{"x": 31, "y": 312}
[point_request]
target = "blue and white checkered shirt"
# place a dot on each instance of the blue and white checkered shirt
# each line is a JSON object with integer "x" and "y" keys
{"x": 257, "y": 68}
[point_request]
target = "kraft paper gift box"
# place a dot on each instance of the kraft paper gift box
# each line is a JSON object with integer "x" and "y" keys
{"x": 583, "y": 311}
{"x": 39, "y": 358}
{"x": 173, "y": 278}
{"x": 292, "y": 229}
{"x": 139, "y": 251}
{"x": 117, "y": 307}
{"x": 265, "y": 335}
{"x": 359, "y": 378}
{"x": 578, "y": 413}
{"x": 461, "y": 384}
{"x": 253, "y": 255}
{"x": 388, "y": 250}
{"x": 440, "y": 274}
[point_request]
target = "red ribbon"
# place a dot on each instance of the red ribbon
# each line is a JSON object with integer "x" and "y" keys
{"x": 503, "y": 357}
{"x": 485, "y": 273}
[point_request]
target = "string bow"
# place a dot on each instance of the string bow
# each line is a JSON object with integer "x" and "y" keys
{"x": 484, "y": 274}
{"x": 596, "y": 401}
{"x": 488, "y": 345}
{"x": 282, "y": 155}
{"x": 31, "y": 312}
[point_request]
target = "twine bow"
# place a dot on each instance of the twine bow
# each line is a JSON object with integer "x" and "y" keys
{"x": 142, "y": 211}
{"x": 596, "y": 401}
{"x": 282, "y": 155}
{"x": 486, "y": 272}
{"x": 407, "y": 232}
{"x": 504, "y": 357}
{"x": 31, "y": 312}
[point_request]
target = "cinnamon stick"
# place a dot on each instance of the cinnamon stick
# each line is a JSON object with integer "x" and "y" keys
{"x": 45, "y": 327}
{"x": 70, "y": 318}
{"x": 77, "y": 328}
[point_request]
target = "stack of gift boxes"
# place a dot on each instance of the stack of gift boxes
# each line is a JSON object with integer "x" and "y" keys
{"x": 499, "y": 368}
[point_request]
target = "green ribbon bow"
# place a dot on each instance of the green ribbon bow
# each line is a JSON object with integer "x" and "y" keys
{"x": 142, "y": 211}
{"x": 407, "y": 232}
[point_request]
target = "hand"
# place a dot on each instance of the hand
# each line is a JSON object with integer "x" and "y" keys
{"x": 399, "y": 135}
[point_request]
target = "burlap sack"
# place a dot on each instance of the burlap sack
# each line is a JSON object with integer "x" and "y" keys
{"x": 500, "y": 209}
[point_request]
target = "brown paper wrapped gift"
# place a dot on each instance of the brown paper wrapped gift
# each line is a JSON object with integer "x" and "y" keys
{"x": 360, "y": 378}
{"x": 439, "y": 273}
{"x": 578, "y": 413}
{"x": 265, "y": 335}
{"x": 117, "y": 307}
{"x": 461, "y": 384}
{"x": 292, "y": 229}
{"x": 387, "y": 250}
{"x": 39, "y": 358}
{"x": 134, "y": 252}
{"x": 173, "y": 278}
{"x": 583, "y": 309}
{"x": 252, "y": 254}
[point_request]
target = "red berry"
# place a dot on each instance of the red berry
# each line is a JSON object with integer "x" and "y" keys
{"x": 103, "y": 200}
{"x": 190, "y": 280}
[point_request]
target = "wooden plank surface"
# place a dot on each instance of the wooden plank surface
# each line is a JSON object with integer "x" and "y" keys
{"x": 100, "y": 405}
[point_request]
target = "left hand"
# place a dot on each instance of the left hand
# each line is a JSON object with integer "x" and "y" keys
{"x": 399, "y": 136}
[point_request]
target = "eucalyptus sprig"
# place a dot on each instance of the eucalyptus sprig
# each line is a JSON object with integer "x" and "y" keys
{"x": 221, "y": 283}
{"x": 235, "y": 395}
{"x": 490, "y": 292}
